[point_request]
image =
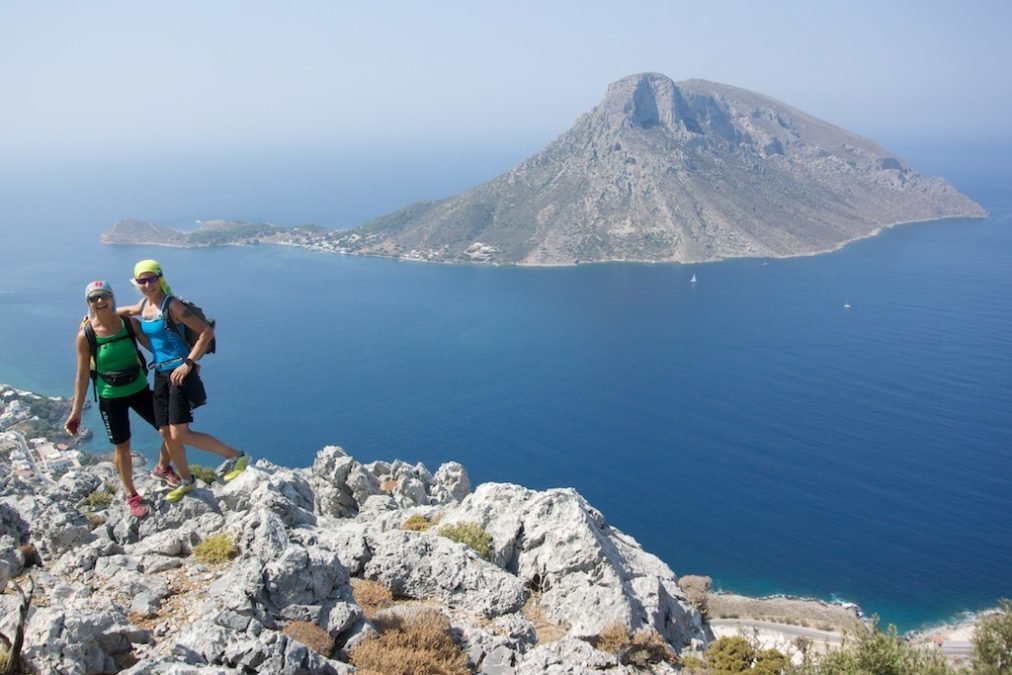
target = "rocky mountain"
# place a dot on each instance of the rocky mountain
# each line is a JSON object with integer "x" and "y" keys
{"x": 546, "y": 576}
{"x": 665, "y": 171}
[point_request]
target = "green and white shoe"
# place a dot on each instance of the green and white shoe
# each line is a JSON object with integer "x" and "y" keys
{"x": 235, "y": 466}
{"x": 177, "y": 494}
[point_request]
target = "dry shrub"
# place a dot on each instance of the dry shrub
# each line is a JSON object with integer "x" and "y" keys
{"x": 545, "y": 629}
{"x": 640, "y": 650}
{"x": 312, "y": 636}
{"x": 697, "y": 591}
{"x": 420, "y": 643}
{"x": 416, "y": 522}
{"x": 613, "y": 638}
{"x": 32, "y": 555}
{"x": 371, "y": 596}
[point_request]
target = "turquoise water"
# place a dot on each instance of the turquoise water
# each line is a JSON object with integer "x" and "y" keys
{"x": 748, "y": 426}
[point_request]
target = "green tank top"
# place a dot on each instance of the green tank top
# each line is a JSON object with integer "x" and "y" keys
{"x": 117, "y": 353}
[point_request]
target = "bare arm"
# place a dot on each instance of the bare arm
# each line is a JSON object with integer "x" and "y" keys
{"x": 205, "y": 332}
{"x": 141, "y": 336}
{"x": 130, "y": 310}
{"x": 80, "y": 380}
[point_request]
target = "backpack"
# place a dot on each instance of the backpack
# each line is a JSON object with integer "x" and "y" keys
{"x": 89, "y": 334}
{"x": 188, "y": 334}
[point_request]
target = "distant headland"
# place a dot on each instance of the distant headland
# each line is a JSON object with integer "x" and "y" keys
{"x": 659, "y": 171}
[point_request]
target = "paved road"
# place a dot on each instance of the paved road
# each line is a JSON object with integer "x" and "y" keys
{"x": 789, "y": 630}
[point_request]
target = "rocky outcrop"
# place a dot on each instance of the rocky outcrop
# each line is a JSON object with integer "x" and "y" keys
{"x": 662, "y": 171}
{"x": 119, "y": 594}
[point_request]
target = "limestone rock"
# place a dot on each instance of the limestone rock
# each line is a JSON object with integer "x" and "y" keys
{"x": 588, "y": 574}
{"x": 301, "y": 535}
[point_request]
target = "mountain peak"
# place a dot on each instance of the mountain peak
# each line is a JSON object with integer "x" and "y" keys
{"x": 661, "y": 171}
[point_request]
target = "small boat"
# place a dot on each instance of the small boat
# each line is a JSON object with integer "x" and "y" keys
{"x": 846, "y": 304}
{"x": 693, "y": 279}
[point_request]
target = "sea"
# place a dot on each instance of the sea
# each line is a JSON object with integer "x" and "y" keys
{"x": 836, "y": 426}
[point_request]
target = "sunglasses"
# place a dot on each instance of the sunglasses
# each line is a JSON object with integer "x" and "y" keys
{"x": 92, "y": 299}
{"x": 144, "y": 281}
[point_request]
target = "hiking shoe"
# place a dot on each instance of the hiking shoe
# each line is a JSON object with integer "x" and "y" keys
{"x": 177, "y": 494}
{"x": 235, "y": 466}
{"x": 167, "y": 475}
{"x": 137, "y": 507}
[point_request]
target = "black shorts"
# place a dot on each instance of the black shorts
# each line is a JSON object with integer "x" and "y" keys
{"x": 115, "y": 414}
{"x": 175, "y": 404}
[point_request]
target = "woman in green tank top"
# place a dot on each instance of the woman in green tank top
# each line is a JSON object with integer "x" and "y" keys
{"x": 121, "y": 384}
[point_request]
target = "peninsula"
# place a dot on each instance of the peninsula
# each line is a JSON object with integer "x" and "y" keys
{"x": 659, "y": 171}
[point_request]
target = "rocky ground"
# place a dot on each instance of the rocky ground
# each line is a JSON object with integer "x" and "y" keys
{"x": 114, "y": 593}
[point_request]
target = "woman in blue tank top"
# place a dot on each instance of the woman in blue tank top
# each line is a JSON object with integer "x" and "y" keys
{"x": 178, "y": 388}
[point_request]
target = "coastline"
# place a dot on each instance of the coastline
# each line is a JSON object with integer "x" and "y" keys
{"x": 271, "y": 240}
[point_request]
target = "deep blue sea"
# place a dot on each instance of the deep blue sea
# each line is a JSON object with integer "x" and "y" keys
{"x": 748, "y": 427}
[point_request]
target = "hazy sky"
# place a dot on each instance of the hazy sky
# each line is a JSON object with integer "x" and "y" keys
{"x": 150, "y": 77}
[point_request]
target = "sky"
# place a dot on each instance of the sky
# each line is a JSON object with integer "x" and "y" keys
{"x": 160, "y": 79}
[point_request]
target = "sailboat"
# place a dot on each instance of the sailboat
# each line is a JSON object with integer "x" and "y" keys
{"x": 693, "y": 279}
{"x": 846, "y": 304}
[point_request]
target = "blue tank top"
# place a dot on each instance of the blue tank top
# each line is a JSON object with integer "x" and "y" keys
{"x": 169, "y": 348}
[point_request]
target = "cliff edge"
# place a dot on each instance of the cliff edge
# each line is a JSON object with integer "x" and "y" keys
{"x": 118, "y": 594}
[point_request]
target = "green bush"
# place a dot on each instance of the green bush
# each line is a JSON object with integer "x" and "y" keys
{"x": 730, "y": 654}
{"x": 218, "y": 548}
{"x": 770, "y": 662}
{"x": 870, "y": 650}
{"x": 470, "y": 534}
{"x": 992, "y": 642}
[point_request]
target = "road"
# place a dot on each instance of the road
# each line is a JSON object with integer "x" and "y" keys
{"x": 791, "y": 631}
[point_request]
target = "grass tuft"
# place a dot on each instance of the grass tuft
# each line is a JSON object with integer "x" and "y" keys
{"x": 98, "y": 499}
{"x": 416, "y": 522}
{"x": 204, "y": 473}
{"x": 470, "y": 534}
{"x": 216, "y": 549}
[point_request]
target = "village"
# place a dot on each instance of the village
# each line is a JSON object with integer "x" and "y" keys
{"x": 32, "y": 441}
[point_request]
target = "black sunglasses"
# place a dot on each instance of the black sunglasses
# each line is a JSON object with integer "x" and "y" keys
{"x": 99, "y": 296}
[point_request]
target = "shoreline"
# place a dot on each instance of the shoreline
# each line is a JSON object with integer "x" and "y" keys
{"x": 550, "y": 265}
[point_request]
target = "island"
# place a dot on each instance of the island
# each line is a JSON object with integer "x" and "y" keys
{"x": 659, "y": 171}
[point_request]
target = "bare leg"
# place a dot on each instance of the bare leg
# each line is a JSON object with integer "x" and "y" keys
{"x": 125, "y": 467}
{"x": 182, "y": 433}
{"x": 164, "y": 459}
{"x": 177, "y": 452}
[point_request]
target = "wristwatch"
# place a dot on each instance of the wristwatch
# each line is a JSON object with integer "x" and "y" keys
{"x": 188, "y": 361}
